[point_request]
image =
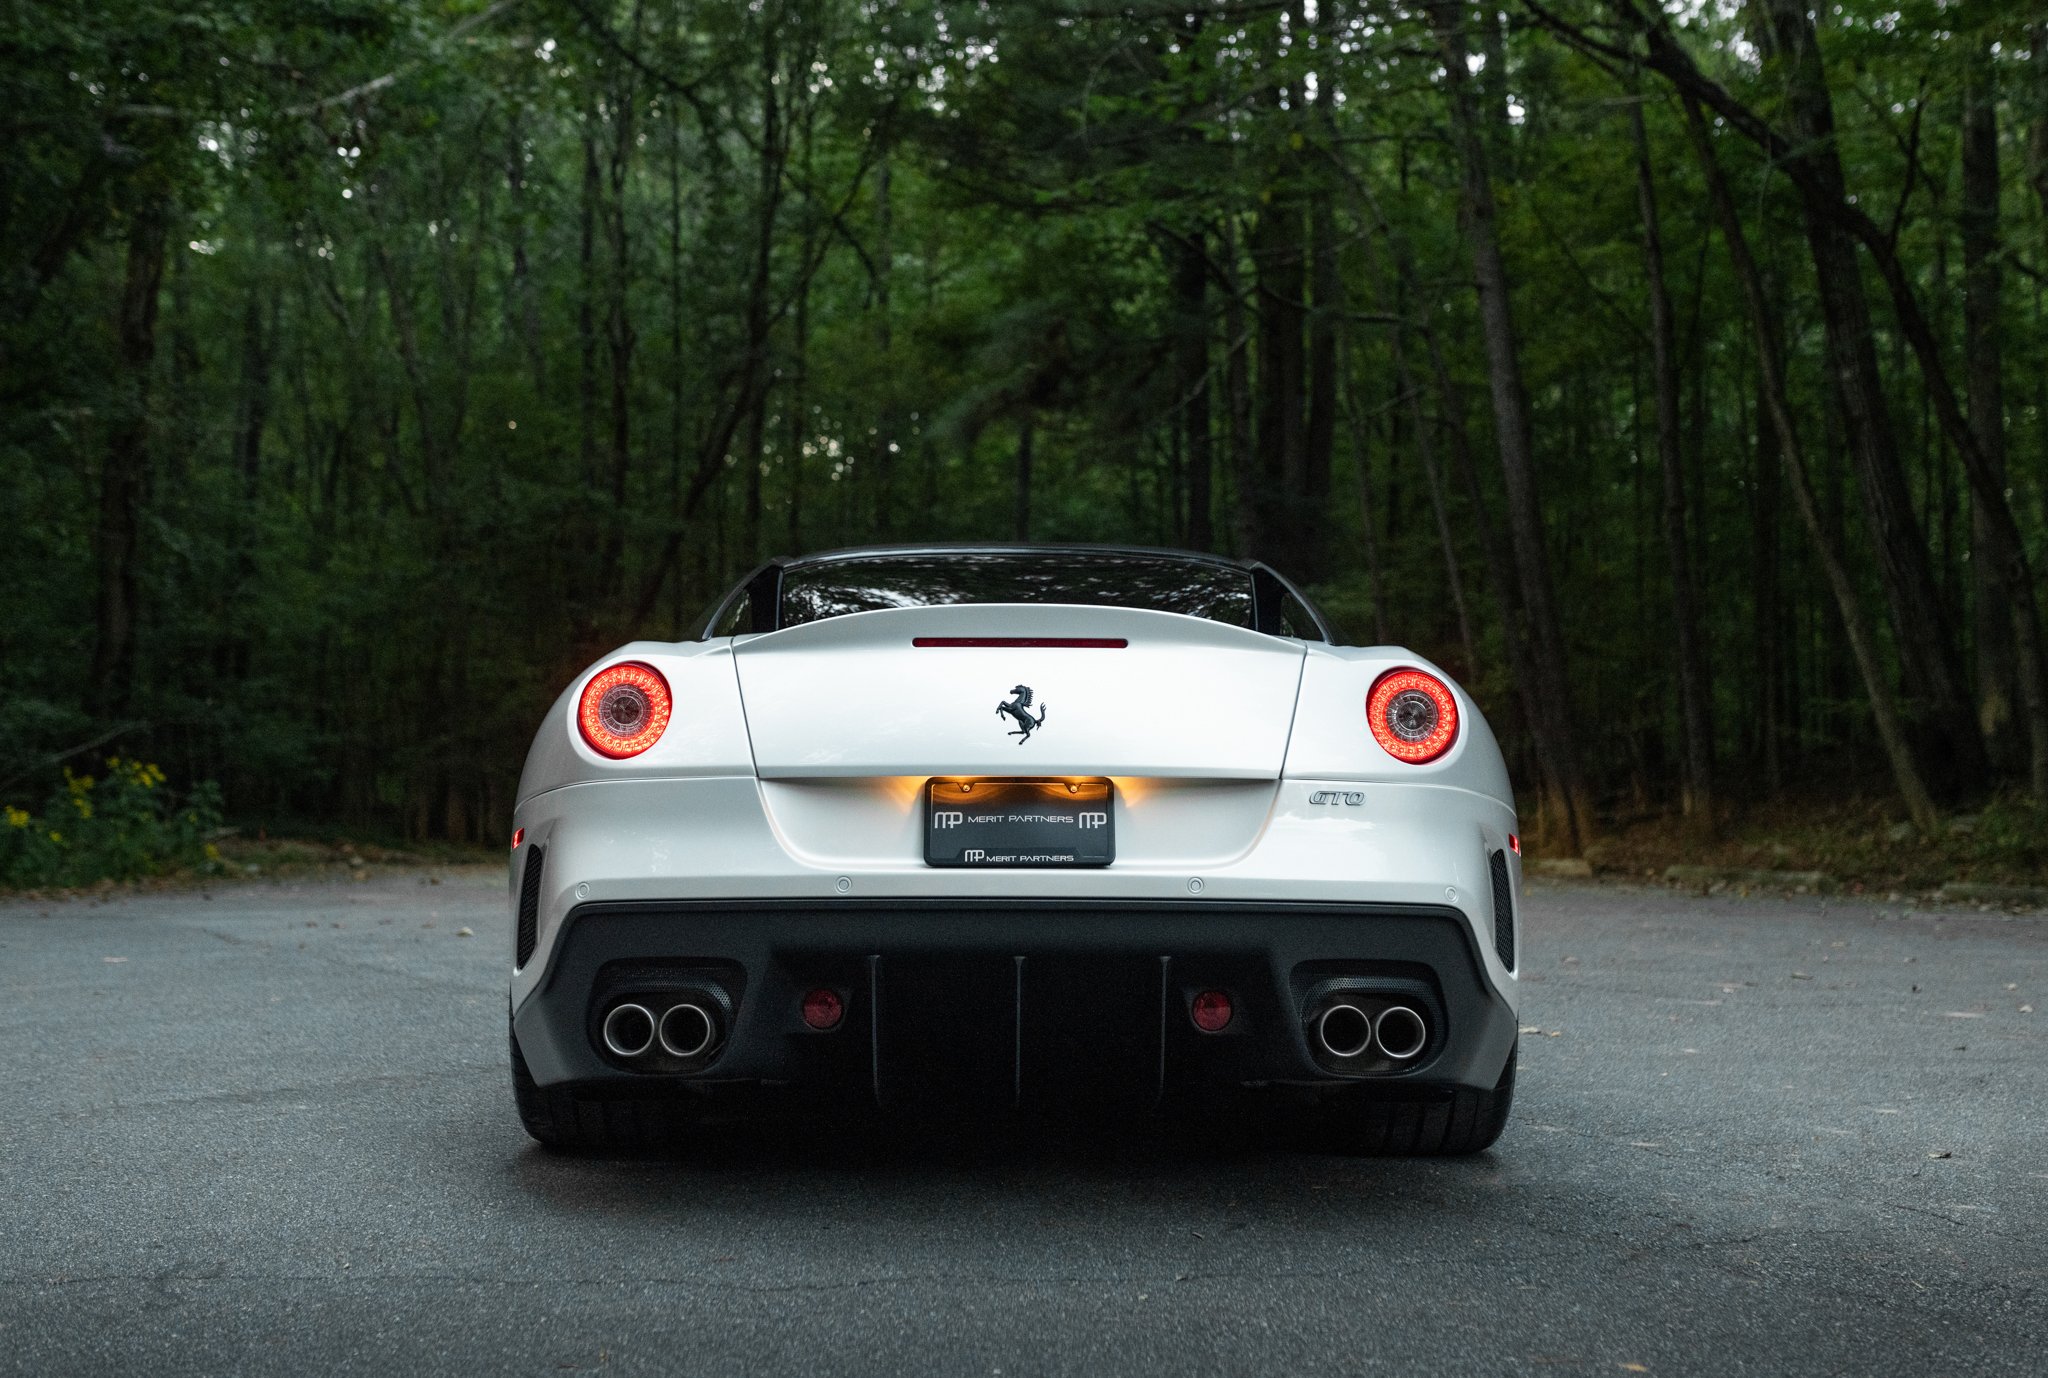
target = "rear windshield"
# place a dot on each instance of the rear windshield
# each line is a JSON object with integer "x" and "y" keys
{"x": 867, "y": 583}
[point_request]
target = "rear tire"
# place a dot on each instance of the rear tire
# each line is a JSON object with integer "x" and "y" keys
{"x": 562, "y": 1118}
{"x": 1364, "y": 1122}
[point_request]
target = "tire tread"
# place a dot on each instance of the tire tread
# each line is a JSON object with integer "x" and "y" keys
{"x": 1466, "y": 1121}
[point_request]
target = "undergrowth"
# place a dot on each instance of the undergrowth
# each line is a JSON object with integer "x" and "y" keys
{"x": 123, "y": 825}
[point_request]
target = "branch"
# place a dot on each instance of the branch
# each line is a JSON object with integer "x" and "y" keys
{"x": 11, "y": 781}
{"x": 391, "y": 77}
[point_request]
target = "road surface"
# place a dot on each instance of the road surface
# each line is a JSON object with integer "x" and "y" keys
{"x": 267, "y": 1129}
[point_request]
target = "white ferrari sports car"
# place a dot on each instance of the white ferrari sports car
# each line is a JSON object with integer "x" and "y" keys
{"x": 1015, "y": 825}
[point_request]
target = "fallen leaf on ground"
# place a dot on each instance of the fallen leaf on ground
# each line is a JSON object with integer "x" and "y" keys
{"x": 1801, "y": 976}
{"x": 464, "y": 933}
{"x": 1941, "y": 1153}
{"x": 1526, "y": 1028}
{"x": 113, "y": 961}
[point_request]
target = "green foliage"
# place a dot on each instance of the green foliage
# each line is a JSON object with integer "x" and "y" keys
{"x": 123, "y": 825}
{"x": 492, "y": 336}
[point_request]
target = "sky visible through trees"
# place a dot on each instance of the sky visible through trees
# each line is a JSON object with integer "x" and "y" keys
{"x": 1678, "y": 379}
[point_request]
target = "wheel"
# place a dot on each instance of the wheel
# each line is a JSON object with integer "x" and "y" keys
{"x": 1358, "y": 1121}
{"x": 561, "y": 1117}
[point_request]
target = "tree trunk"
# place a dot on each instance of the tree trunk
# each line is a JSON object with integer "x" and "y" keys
{"x": 1983, "y": 364}
{"x": 1319, "y": 436}
{"x": 885, "y": 429}
{"x": 1326, "y": 313}
{"x": 1550, "y": 712}
{"x": 1191, "y": 295}
{"x": 1771, "y": 377}
{"x": 1368, "y": 511}
{"x": 1768, "y": 617}
{"x": 1022, "y": 514}
{"x": 2037, "y": 131}
{"x": 1694, "y": 689}
{"x": 525, "y": 295}
{"x": 1926, "y": 647}
{"x": 125, "y": 473}
{"x": 619, "y": 335}
{"x": 1425, "y": 450}
{"x": 1248, "y": 524}
{"x": 1278, "y": 264}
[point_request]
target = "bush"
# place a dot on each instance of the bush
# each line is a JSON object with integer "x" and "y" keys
{"x": 118, "y": 827}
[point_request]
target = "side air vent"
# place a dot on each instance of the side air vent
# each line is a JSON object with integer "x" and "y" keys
{"x": 529, "y": 904}
{"x": 1503, "y": 911}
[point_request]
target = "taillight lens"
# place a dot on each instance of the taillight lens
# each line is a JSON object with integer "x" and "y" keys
{"x": 1414, "y": 717}
{"x": 624, "y": 710}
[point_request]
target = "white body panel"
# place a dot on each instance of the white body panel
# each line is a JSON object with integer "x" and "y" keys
{"x": 854, "y": 696}
{"x": 1243, "y": 764}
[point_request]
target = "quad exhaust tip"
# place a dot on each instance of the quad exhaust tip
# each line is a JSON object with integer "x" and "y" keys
{"x": 1347, "y": 1031}
{"x": 1344, "y": 1030}
{"x": 1402, "y": 1032}
{"x": 629, "y": 1029}
{"x": 688, "y": 1031}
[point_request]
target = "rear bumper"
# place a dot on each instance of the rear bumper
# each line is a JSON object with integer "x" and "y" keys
{"x": 1011, "y": 999}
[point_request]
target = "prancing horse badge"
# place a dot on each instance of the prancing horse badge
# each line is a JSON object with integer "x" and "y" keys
{"x": 1018, "y": 709}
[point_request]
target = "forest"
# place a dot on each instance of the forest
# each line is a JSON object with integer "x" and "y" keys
{"x": 1676, "y": 377}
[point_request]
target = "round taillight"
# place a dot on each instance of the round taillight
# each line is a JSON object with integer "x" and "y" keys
{"x": 625, "y": 710}
{"x": 1413, "y": 715}
{"x": 1211, "y": 1011}
{"x": 823, "y": 1009}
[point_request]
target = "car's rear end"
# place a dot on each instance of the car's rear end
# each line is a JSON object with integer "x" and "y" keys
{"x": 913, "y": 846}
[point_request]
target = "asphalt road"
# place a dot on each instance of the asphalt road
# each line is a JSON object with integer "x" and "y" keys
{"x": 269, "y": 1130}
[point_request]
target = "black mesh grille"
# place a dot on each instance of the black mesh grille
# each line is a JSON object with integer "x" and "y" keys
{"x": 529, "y": 905}
{"x": 1503, "y": 911}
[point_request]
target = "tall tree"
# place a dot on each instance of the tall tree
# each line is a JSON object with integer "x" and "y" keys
{"x": 1550, "y": 705}
{"x": 1983, "y": 374}
{"x": 1694, "y": 693}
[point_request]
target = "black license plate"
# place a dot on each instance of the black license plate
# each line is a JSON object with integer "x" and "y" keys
{"x": 1019, "y": 823}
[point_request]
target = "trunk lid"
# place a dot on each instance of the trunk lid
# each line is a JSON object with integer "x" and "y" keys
{"x": 858, "y": 696}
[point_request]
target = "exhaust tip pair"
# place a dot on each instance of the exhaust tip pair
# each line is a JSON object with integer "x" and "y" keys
{"x": 1345, "y": 1030}
{"x": 683, "y": 1031}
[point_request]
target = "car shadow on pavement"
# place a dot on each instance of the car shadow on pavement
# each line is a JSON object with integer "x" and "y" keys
{"x": 888, "y": 1162}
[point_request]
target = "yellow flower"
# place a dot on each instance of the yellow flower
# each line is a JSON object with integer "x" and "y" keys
{"x": 17, "y": 818}
{"x": 84, "y": 806}
{"x": 212, "y": 852}
{"x": 56, "y": 837}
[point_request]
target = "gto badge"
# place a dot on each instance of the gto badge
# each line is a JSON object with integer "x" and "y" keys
{"x": 1353, "y": 797}
{"x": 1018, "y": 710}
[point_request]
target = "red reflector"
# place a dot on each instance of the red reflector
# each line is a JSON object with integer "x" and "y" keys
{"x": 823, "y": 1009}
{"x": 1514, "y": 844}
{"x": 1070, "y": 643}
{"x": 518, "y": 836}
{"x": 1211, "y": 1011}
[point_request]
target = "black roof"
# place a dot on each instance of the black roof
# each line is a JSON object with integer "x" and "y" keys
{"x": 854, "y": 552}
{"x": 762, "y": 586}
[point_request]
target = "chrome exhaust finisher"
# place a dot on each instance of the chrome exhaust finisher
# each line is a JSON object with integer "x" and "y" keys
{"x": 1403, "y": 1033}
{"x": 688, "y": 1031}
{"x": 1344, "y": 1031}
{"x": 629, "y": 1029}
